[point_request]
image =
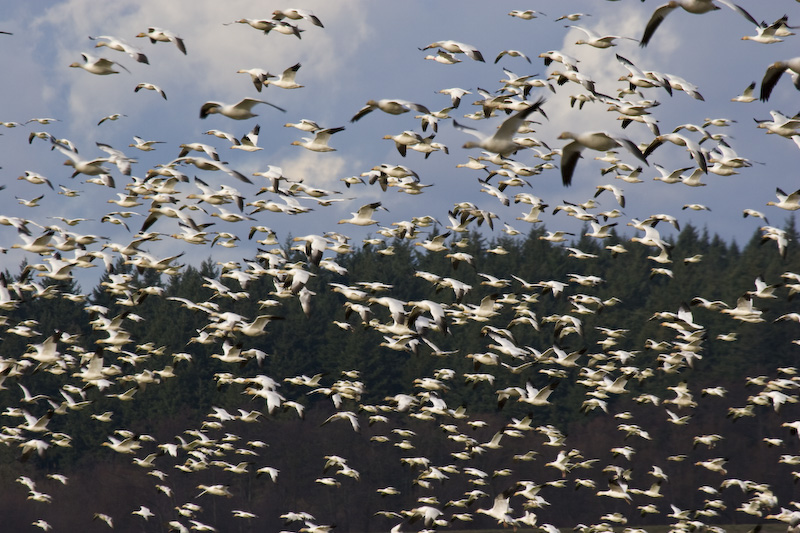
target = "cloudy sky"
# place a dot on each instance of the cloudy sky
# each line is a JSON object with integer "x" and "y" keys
{"x": 372, "y": 50}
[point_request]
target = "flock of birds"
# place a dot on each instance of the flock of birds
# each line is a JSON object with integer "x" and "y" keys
{"x": 226, "y": 209}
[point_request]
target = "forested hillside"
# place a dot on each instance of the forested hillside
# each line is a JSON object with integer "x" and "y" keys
{"x": 434, "y": 407}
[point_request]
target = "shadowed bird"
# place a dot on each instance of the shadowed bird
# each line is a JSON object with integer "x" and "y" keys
{"x": 774, "y": 73}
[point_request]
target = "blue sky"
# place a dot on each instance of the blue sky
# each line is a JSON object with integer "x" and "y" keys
{"x": 371, "y": 50}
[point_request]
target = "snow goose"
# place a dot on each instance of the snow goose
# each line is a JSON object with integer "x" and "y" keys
{"x": 780, "y": 124}
{"x": 693, "y": 179}
{"x": 120, "y": 46}
{"x": 764, "y": 35}
{"x": 512, "y": 53}
{"x": 524, "y": 14}
{"x": 286, "y": 79}
{"x": 554, "y": 55}
{"x": 616, "y": 191}
{"x": 143, "y": 145}
{"x": 455, "y": 94}
{"x": 769, "y": 33}
{"x": 455, "y": 47}
{"x": 241, "y": 110}
{"x": 215, "y": 490}
{"x": 200, "y": 147}
{"x": 572, "y": 17}
{"x": 443, "y": 57}
{"x": 763, "y": 290}
{"x": 117, "y": 158}
{"x": 151, "y": 87}
{"x": 297, "y": 14}
{"x": 596, "y": 40}
{"x": 680, "y": 140}
{"x": 789, "y": 202}
{"x": 258, "y": 76}
{"x": 363, "y": 217}
{"x": 285, "y": 28}
{"x": 304, "y": 125}
{"x": 97, "y": 65}
{"x": 501, "y": 142}
{"x": 82, "y": 166}
{"x": 35, "y": 178}
{"x": 160, "y": 35}
{"x": 753, "y": 213}
{"x": 249, "y": 142}
{"x": 144, "y": 512}
{"x": 501, "y": 508}
{"x": 747, "y": 95}
{"x": 697, "y": 7}
{"x": 319, "y": 143}
{"x": 638, "y": 78}
{"x": 597, "y": 140}
{"x": 391, "y": 106}
{"x": 404, "y": 139}
{"x": 209, "y": 164}
{"x": 774, "y": 73}
{"x": 112, "y": 116}
{"x": 744, "y": 310}
{"x": 264, "y": 25}
{"x": 574, "y": 76}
